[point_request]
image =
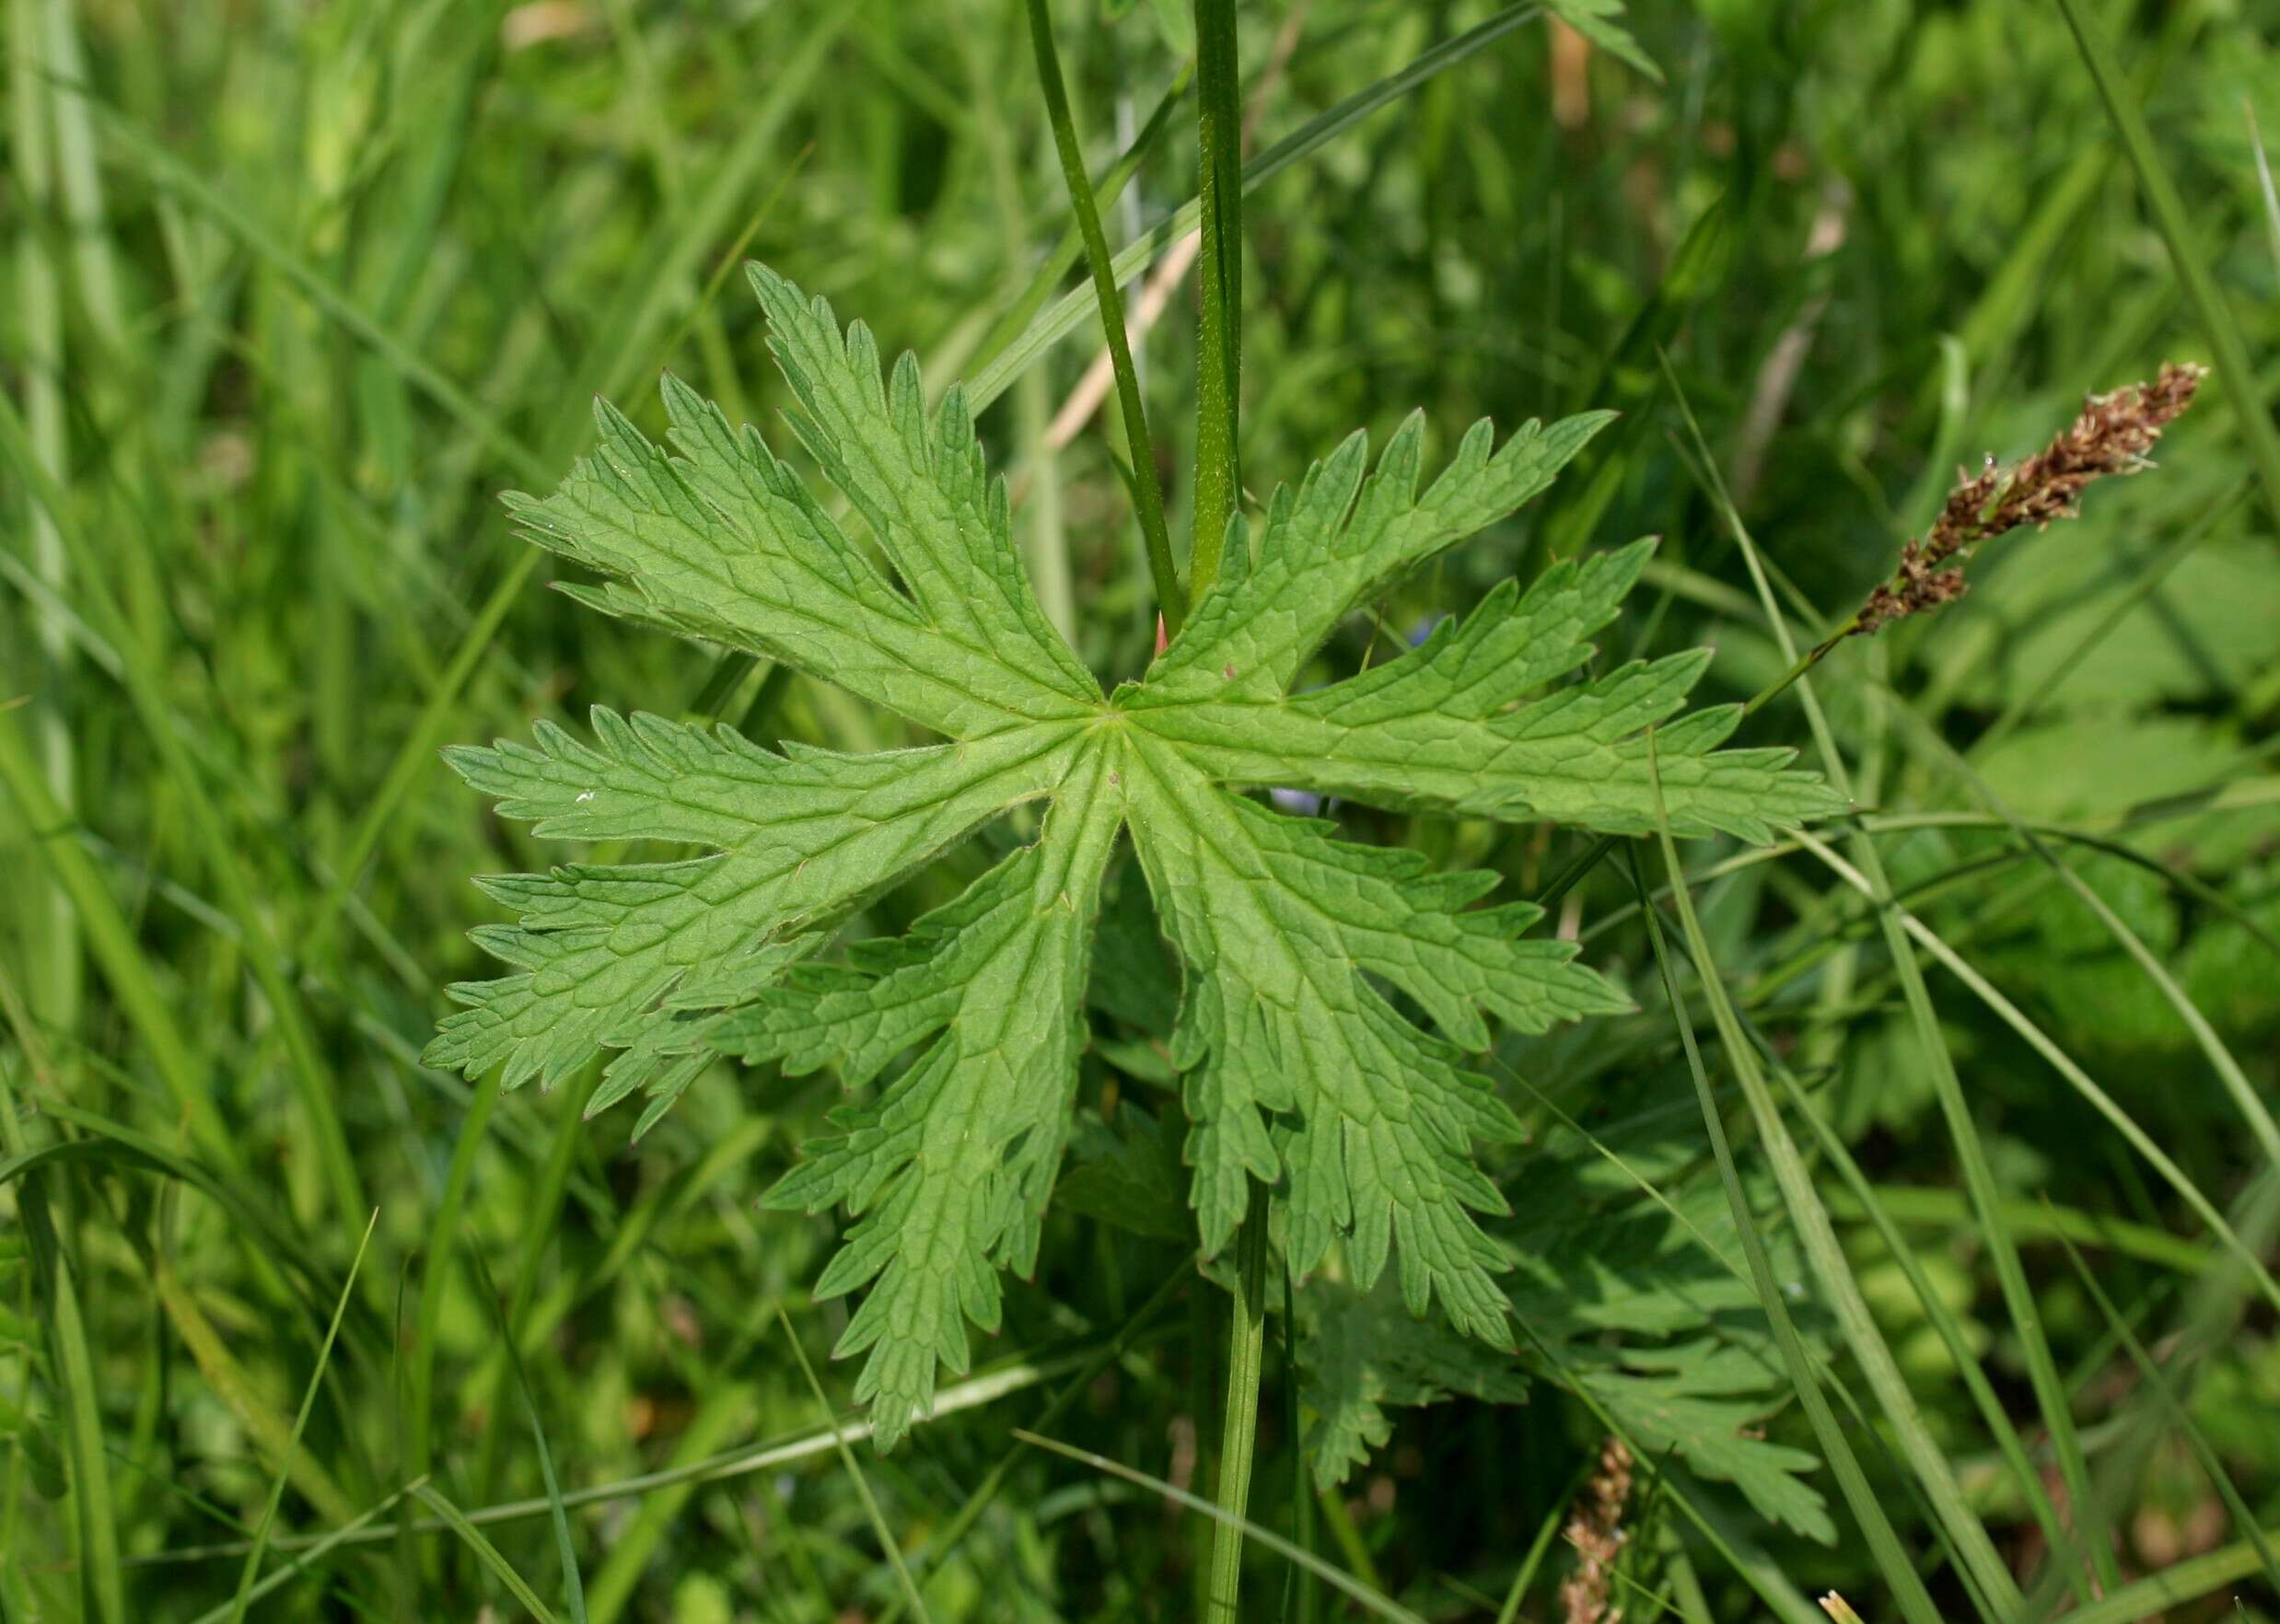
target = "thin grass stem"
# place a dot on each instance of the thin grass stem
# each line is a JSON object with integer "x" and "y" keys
{"x": 1171, "y": 597}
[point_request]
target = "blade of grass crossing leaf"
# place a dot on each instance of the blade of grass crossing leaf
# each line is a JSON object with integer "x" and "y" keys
{"x": 1926, "y": 1457}
{"x": 486, "y": 1552}
{"x": 1900, "y": 1574}
{"x": 2168, "y": 207}
{"x": 2018, "y": 1296}
{"x": 1338, "y": 1578}
{"x": 574, "y": 1588}
{"x": 244, "y": 1598}
{"x": 94, "y": 1525}
{"x": 1737, "y": 1269}
{"x": 885, "y": 1535}
{"x": 1156, "y": 538}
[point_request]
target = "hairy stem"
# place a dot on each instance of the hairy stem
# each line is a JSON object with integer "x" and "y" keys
{"x": 1148, "y": 491}
{"x": 1220, "y": 331}
{"x": 1238, "y": 1434}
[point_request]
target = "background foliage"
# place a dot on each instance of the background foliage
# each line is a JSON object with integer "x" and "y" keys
{"x": 291, "y": 293}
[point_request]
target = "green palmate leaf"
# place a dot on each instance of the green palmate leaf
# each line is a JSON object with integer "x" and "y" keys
{"x": 1362, "y": 1355}
{"x": 964, "y": 1036}
{"x": 1625, "y": 1303}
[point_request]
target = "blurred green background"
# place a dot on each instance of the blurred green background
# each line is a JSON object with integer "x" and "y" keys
{"x": 289, "y": 293}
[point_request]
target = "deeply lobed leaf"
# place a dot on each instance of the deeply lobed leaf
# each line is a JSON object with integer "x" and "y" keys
{"x": 1301, "y": 1067}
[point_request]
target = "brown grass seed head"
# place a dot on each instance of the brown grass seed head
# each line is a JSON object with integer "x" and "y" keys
{"x": 2112, "y": 435}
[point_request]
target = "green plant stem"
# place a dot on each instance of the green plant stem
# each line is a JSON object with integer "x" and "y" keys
{"x": 991, "y": 379}
{"x": 1219, "y": 125}
{"x": 1238, "y": 1432}
{"x": 2176, "y": 227}
{"x": 1148, "y": 490}
{"x": 1022, "y": 312}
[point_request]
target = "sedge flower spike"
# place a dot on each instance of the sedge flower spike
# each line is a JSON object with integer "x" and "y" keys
{"x": 2114, "y": 435}
{"x": 959, "y": 1040}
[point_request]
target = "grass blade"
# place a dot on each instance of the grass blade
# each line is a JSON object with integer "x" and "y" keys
{"x": 486, "y": 1552}
{"x": 244, "y": 1598}
{"x": 94, "y": 1524}
{"x": 443, "y": 1231}
{"x": 885, "y": 1536}
{"x": 307, "y": 1559}
{"x": 1065, "y": 315}
{"x": 2082, "y": 1083}
{"x": 574, "y": 1588}
{"x": 1108, "y": 1354}
{"x": 149, "y": 690}
{"x": 2173, "y": 1407}
{"x": 1157, "y": 539}
{"x": 742, "y": 1461}
{"x": 112, "y": 942}
{"x": 2167, "y": 205}
{"x": 1899, "y": 1572}
{"x": 1979, "y": 1179}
